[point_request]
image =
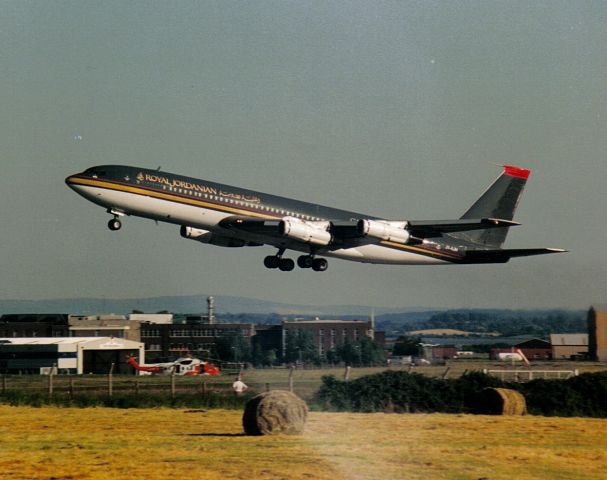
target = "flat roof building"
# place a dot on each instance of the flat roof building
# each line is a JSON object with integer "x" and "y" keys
{"x": 34, "y": 325}
{"x": 329, "y": 334}
{"x": 73, "y": 355}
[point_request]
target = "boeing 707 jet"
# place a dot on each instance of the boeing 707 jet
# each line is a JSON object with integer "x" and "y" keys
{"x": 218, "y": 214}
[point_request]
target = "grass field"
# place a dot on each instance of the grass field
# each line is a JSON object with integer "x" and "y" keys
{"x": 61, "y": 444}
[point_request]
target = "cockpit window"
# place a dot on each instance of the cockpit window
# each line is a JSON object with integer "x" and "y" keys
{"x": 95, "y": 172}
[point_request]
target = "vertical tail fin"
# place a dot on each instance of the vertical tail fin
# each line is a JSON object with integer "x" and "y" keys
{"x": 499, "y": 201}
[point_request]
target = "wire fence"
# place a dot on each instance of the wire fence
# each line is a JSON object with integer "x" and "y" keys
{"x": 52, "y": 384}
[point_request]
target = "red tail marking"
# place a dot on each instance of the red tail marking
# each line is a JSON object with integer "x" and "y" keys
{"x": 516, "y": 171}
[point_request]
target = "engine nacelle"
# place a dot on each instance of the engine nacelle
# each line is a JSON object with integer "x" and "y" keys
{"x": 197, "y": 234}
{"x": 204, "y": 236}
{"x": 384, "y": 230}
{"x": 310, "y": 232}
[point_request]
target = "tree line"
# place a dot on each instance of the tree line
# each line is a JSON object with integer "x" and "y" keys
{"x": 505, "y": 322}
{"x": 299, "y": 348}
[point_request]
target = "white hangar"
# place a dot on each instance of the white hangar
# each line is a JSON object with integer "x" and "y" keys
{"x": 71, "y": 355}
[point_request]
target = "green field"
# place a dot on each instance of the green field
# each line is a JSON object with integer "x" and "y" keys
{"x": 100, "y": 443}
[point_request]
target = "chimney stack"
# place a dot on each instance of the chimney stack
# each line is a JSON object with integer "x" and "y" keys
{"x": 211, "y": 309}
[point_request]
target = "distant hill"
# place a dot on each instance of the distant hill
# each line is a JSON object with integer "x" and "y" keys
{"x": 184, "y": 304}
{"x": 538, "y": 323}
{"x": 394, "y": 321}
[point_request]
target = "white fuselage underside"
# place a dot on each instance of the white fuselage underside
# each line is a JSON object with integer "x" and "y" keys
{"x": 208, "y": 219}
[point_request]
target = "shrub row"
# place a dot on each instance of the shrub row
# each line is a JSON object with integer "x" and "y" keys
{"x": 122, "y": 400}
{"x": 393, "y": 391}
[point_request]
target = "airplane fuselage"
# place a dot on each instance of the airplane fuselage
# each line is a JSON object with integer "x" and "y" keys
{"x": 229, "y": 216}
{"x": 202, "y": 204}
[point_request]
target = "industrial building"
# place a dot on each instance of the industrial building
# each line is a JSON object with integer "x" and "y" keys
{"x": 34, "y": 325}
{"x": 329, "y": 334}
{"x": 71, "y": 355}
{"x": 597, "y": 333}
{"x": 164, "y": 341}
{"x": 569, "y": 346}
{"x": 437, "y": 353}
{"x": 533, "y": 349}
{"x": 166, "y": 336}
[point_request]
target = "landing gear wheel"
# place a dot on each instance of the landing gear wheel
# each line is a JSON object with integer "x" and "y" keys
{"x": 305, "y": 261}
{"x": 286, "y": 264}
{"x": 320, "y": 264}
{"x": 271, "y": 261}
{"x": 114, "y": 224}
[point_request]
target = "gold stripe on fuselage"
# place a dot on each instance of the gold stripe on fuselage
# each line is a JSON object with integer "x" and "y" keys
{"x": 165, "y": 196}
{"x": 423, "y": 251}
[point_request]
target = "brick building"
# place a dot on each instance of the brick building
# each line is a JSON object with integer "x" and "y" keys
{"x": 164, "y": 341}
{"x": 533, "y": 349}
{"x": 329, "y": 334}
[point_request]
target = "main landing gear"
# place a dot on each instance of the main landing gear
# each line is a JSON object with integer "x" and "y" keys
{"x": 286, "y": 264}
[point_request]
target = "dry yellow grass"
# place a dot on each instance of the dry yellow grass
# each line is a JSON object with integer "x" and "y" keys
{"x": 45, "y": 443}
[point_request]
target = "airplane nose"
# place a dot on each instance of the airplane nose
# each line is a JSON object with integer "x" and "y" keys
{"x": 69, "y": 181}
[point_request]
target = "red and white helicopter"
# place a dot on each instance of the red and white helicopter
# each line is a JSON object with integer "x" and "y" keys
{"x": 187, "y": 366}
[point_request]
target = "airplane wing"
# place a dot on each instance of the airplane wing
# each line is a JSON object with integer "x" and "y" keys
{"x": 342, "y": 234}
{"x": 347, "y": 233}
{"x": 502, "y": 256}
{"x": 435, "y": 228}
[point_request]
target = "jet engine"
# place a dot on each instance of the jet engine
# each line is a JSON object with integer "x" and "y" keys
{"x": 310, "y": 232}
{"x": 204, "y": 236}
{"x": 384, "y": 230}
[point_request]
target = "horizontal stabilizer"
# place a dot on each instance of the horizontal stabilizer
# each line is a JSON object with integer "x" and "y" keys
{"x": 435, "y": 228}
{"x": 502, "y": 256}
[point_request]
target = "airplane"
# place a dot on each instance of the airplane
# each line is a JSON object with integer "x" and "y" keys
{"x": 227, "y": 216}
{"x": 187, "y": 366}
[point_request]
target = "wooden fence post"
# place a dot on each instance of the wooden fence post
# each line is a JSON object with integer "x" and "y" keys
{"x": 137, "y": 387}
{"x": 347, "y": 373}
{"x": 50, "y": 380}
{"x": 71, "y": 388}
{"x": 291, "y": 369}
{"x": 173, "y": 385}
{"x": 110, "y": 381}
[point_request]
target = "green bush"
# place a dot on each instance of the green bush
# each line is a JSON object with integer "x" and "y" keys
{"x": 393, "y": 391}
{"x": 401, "y": 392}
{"x": 142, "y": 400}
{"x": 581, "y": 396}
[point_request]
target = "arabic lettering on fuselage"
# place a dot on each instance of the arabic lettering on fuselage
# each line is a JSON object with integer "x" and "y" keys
{"x": 174, "y": 183}
{"x": 238, "y": 196}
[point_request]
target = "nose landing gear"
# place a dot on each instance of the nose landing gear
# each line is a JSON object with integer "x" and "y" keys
{"x": 114, "y": 224}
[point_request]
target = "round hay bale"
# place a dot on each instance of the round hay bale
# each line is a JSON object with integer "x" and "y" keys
{"x": 500, "y": 401}
{"x": 275, "y": 412}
